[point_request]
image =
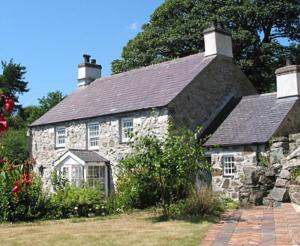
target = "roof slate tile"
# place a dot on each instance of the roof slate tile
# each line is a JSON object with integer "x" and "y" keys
{"x": 254, "y": 120}
{"x": 147, "y": 87}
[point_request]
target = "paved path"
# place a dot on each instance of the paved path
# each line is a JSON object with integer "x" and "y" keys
{"x": 257, "y": 226}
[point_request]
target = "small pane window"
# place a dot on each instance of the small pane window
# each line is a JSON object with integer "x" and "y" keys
{"x": 75, "y": 178}
{"x": 60, "y": 136}
{"x": 127, "y": 129}
{"x": 65, "y": 172}
{"x": 73, "y": 174}
{"x": 93, "y": 135}
{"x": 96, "y": 176}
{"x": 228, "y": 165}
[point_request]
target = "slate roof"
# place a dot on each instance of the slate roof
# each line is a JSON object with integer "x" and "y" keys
{"x": 254, "y": 120}
{"x": 147, "y": 87}
{"x": 88, "y": 156}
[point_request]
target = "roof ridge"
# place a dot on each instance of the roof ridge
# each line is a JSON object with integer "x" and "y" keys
{"x": 142, "y": 68}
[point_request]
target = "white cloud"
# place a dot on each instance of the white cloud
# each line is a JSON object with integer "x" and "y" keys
{"x": 133, "y": 26}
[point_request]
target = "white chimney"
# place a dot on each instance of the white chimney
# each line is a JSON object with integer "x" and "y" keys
{"x": 288, "y": 81}
{"x": 217, "y": 41}
{"x": 88, "y": 71}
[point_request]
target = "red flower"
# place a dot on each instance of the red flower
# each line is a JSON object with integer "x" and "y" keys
{"x": 17, "y": 189}
{"x": 3, "y": 123}
{"x": 9, "y": 104}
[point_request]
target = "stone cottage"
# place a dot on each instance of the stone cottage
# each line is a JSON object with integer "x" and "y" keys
{"x": 86, "y": 134}
{"x": 251, "y": 150}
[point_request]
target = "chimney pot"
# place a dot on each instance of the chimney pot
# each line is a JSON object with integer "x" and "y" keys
{"x": 86, "y": 58}
{"x": 88, "y": 71}
{"x": 288, "y": 58}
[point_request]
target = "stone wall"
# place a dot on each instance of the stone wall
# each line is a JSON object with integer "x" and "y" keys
{"x": 264, "y": 174}
{"x": 110, "y": 146}
{"x": 203, "y": 99}
{"x": 245, "y": 158}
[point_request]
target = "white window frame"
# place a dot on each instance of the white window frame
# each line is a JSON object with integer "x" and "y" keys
{"x": 69, "y": 174}
{"x": 89, "y": 137}
{"x": 57, "y": 136}
{"x": 124, "y": 135}
{"x": 228, "y": 163}
{"x": 102, "y": 179}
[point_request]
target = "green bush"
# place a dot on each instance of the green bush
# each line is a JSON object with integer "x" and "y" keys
{"x": 30, "y": 204}
{"x": 203, "y": 203}
{"x": 230, "y": 203}
{"x": 161, "y": 171}
{"x": 72, "y": 201}
{"x": 295, "y": 174}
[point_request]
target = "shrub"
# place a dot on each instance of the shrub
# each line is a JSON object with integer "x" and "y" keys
{"x": 230, "y": 203}
{"x": 203, "y": 203}
{"x": 22, "y": 197}
{"x": 79, "y": 201}
{"x": 295, "y": 174}
{"x": 161, "y": 171}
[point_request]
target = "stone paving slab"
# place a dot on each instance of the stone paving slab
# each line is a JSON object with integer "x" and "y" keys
{"x": 261, "y": 226}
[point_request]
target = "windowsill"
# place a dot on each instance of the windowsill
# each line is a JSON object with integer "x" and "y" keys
{"x": 228, "y": 175}
{"x": 126, "y": 142}
{"x": 93, "y": 148}
{"x": 60, "y": 147}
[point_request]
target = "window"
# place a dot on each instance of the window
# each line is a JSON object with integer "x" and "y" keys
{"x": 93, "y": 135}
{"x": 228, "y": 165}
{"x": 60, "y": 136}
{"x": 72, "y": 174}
{"x": 96, "y": 175}
{"x": 127, "y": 129}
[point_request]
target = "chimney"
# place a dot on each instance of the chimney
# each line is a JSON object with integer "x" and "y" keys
{"x": 288, "y": 79}
{"x": 217, "y": 41}
{"x": 88, "y": 71}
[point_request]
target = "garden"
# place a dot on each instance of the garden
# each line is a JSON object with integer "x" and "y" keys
{"x": 162, "y": 197}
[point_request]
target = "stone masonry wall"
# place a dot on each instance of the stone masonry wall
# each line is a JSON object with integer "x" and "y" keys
{"x": 244, "y": 157}
{"x": 201, "y": 101}
{"x": 266, "y": 174}
{"x": 110, "y": 147}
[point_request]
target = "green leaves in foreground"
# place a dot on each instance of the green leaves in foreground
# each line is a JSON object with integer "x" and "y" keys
{"x": 161, "y": 170}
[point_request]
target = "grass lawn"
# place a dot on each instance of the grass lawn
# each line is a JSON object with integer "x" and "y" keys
{"x": 138, "y": 228}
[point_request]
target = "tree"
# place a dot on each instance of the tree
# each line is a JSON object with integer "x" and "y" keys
{"x": 29, "y": 114}
{"x": 12, "y": 80}
{"x": 14, "y": 146}
{"x": 161, "y": 170}
{"x": 175, "y": 30}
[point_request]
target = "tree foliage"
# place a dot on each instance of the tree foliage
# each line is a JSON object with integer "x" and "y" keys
{"x": 176, "y": 30}
{"x": 161, "y": 170}
{"x": 12, "y": 79}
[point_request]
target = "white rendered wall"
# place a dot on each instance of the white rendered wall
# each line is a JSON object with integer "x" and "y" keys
{"x": 288, "y": 85}
{"x": 217, "y": 44}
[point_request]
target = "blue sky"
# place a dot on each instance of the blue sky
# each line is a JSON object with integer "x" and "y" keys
{"x": 49, "y": 37}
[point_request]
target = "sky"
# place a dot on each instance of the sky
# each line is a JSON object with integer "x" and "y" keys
{"x": 50, "y": 37}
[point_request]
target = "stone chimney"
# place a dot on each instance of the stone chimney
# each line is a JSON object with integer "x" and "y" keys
{"x": 217, "y": 41}
{"x": 288, "y": 79}
{"x": 88, "y": 71}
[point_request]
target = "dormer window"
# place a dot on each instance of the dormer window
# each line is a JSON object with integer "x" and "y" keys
{"x": 60, "y": 136}
{"x": 93, "y": 135}
{"x": 127, "y": 129}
